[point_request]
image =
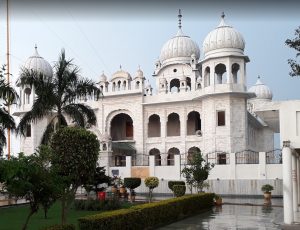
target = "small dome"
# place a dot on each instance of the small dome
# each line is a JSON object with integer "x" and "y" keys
{"x": 261, "y": 90}
{"x": 198, "y": 80}
{"x": 38, "y": 64}
{"x": 121, "y": 74}
{"x": 148, "y": 85}
{"x": 179, "y": 48}
{"x": 139, "y": 74}
{"x": 103, "y": 78}
{"x": 223, "y": 39}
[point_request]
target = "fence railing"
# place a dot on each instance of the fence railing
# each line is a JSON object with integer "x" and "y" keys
{"x": 247, "y": 157}
{"x": 218, "y": 158}
{"x": 274, "y": 157}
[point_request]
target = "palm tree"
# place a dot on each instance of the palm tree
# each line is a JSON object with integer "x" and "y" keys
{"x": 57, "y": 97}
{"x": 8, "y": 96}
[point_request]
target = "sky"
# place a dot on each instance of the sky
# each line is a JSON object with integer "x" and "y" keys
{"x": 102, "y": 35}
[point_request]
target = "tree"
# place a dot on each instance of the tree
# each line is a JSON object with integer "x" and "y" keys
{"x": 56, "y": 97}
{"x": 75, "y": 155}
{"x": 151, "y": 183}
{"x": 8, "y": 96}
{"x": 294, "y": 44}
{"x": 132, "y": 183}
{"x": 23, "y": 177}
{"x": 99, "y": 177}
{"x": 197, "y": 172}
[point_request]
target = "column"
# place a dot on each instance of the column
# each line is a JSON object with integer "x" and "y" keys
{"x": 262, "y": 165}
{"x": 152, "y": 165}
{"x": 298, "y": 179}
{"x": 295, "y": 187}
{"x": 287, "y": 183}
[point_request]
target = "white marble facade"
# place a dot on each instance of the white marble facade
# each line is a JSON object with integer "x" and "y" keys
{"x": 196, "y": 102}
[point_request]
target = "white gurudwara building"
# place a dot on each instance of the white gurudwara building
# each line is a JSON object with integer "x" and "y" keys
{"x": 200, "y": 103}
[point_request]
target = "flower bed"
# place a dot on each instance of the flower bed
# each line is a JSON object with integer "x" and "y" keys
{"x": 148, "y": 215}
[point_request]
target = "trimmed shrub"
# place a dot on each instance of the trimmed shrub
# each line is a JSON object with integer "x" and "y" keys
{"x": 147, "y": 216}
{"x": 61, "y": 227}
{"x": 132, "y": 182}
{"x": 179, "y": 190}
{"x": 171, "y": 183}
{"x": 97, "y": 205}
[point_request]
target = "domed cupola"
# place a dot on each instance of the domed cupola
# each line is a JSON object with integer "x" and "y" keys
{"x": 179, "y": 49}
{"x": 38, "y": 64}
{"x": 103, "y": 78}
{"x": 261, "y": 90}
{"x": 139, "y": 74}
{"x": 223, "y": 40}
{"x": 121, "y": 74}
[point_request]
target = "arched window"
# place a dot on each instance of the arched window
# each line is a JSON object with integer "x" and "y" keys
{"x": 104, "y": 147}
{"x": 121, "y": 127}
{"x": 154, "y": 126}
{"x": 235, "y": 73}
{"x": 191, "y": 152}
{"x": 170, "y": 158}
{"x": 173, "y": 125}
{"x": 188, "y": 83}
{"x": 193, "y": 123}
{"x": 155, "y": 152}
{"x": 27, "y": 92}
{"x": 113, "y": 86}
{"x": 124, "y": 85}
{"x": 174, "y": 85}
{"x": 137, "y": 85}
{"x": 220, "y": 71}
{"x": 119, "y": 85}
{"x": 207, "y": 77}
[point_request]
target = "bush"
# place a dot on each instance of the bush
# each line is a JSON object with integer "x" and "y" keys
{"x": 132, "y": 182}
{"x": 60, "y": 227}
{"x": 97, "y": 205}
{"x": 147, "y": 216}
{"x": 151, "y": 182}
{"x": 171, "y": 183}
{"x": 179, "y": 190}
{"x": 267, "y": 188}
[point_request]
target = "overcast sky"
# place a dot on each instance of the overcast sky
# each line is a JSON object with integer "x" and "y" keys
{"x": 101, "y": 36}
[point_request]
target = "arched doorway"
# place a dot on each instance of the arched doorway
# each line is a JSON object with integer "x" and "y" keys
{"x": 155, "y": 152}
{"x": 193, "y": 123}
{"x": 121, "y": 127}
{"x": 154, "y": 126}
{"x": 170, "y": 158}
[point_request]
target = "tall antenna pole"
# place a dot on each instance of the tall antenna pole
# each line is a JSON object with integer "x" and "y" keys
{"x": 8, "y": 73}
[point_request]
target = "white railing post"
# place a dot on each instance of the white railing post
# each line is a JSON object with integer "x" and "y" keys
{"x": 152, "y": 165}
{"x": 232, "y": 164}
{"x": 177, "y": 165}
{"x": 128, "y": 166}
{"x": 262, "y": 165}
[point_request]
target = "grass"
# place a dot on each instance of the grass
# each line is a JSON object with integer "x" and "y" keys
{"x": 13, "y": 218}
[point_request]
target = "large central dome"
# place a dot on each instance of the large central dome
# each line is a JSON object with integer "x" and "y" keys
{"x": 179, "y": 48}
{"x": 223, "y": 39}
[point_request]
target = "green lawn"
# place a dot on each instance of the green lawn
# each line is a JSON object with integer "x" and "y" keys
{"x": 13, "y": 218}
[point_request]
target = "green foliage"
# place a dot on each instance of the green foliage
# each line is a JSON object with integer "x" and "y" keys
{"x": 179, "y": 190}
{"x": 8, "y": 96}
{"x": 75, "y": 155}
{"x": 171, "y": 183}
{"x": 217, "y": 197}
{"x": 197, "y": 172}
{"x": 151, "y": 182}
{"x": 132, "y": 182}
{"x": 97, "y": 205}
{"x": 99, "y": 177}
{"x": 294, "y": 44}
{"x": 26, "y": 177}
{"x": 148, "y": 216}
{"x": 60, "y": 227}
{"x": 267, "y": 188}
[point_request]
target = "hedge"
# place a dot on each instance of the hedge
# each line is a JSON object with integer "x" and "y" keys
{"x": 179, "y": 190}
{"x": 148, "y": 215}
{"x": 60, "y": 227}
{"x": 171, "y": 183}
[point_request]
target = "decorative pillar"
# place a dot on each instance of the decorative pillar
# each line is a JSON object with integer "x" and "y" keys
{"x": 295, "y": 187}
{"x": 298, "y": 180}
{"x": 287, "y": 183}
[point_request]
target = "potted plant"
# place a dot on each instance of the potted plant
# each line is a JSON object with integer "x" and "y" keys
{"x": 267, "y": 188}
{"x": 132, "y": 183}
{"x": 218, "y": 200}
